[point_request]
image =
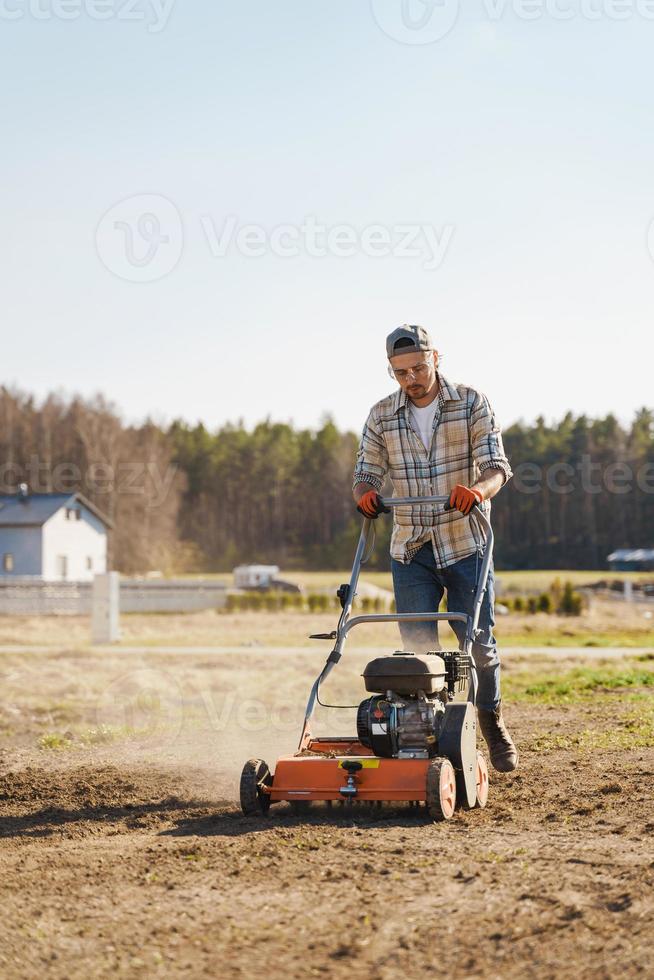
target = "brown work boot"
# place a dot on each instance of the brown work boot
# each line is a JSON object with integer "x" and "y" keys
{"x": 503, "y": 753}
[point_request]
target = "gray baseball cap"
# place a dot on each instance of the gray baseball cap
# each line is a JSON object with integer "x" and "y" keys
{"x": 418, "y": 337}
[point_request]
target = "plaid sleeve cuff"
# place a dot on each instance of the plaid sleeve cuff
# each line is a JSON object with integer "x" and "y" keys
{"x": 363, "y": 475}
{"x": 497, "y": 464}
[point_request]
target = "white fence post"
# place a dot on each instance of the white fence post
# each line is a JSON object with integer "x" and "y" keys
{"x": 105, "y": 627}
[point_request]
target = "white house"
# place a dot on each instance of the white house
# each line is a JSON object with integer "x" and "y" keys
{"x": 51, "y": 536}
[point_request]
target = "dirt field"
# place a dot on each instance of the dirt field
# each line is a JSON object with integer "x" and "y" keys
{"x": 124, "y": 854}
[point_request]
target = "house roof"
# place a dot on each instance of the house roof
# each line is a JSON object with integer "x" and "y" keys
{"x": 632, "y": 554}
{"x": 36, "y": 508}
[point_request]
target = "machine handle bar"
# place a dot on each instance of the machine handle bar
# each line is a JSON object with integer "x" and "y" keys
{"x": 403, "y": 501}
{"x": 345, "y": 623}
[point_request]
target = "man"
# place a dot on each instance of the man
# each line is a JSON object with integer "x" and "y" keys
{"x": 436, "y": 438}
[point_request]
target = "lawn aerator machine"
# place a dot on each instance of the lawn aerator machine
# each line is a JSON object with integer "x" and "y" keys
{"x": 416, "y": 735}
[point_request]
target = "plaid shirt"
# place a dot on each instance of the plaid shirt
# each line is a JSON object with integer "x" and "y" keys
{"x": 466, "y": 440}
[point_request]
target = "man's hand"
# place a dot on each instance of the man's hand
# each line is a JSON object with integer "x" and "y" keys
{"x": 464, "y": 498}
{"x": 371, "y": 506}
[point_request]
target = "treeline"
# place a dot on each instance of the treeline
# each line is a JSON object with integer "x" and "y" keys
{"x": 582, "y": 488}
{"x": 183, "y": 498}
{"x": 277, "y": 495}
{"x": 65, "y": 445}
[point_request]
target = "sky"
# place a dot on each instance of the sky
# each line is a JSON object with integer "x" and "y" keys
{"x": 217, "y": 210}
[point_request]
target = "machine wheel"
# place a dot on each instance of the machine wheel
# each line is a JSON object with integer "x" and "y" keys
{"x": 255, "y": 775}
{"x": 300, "y": 807}
{"x": 441, "y": 789}
{"x": 482, "y": 780}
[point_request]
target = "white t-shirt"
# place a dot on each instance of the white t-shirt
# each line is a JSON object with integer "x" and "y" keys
{"x": 424, "y": 421}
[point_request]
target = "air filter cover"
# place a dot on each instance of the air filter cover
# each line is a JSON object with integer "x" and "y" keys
{"x": 405, "y": 673}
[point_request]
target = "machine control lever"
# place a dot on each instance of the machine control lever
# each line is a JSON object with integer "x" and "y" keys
{"x": 351, "y": 767}
{"x": 342, "y": 593}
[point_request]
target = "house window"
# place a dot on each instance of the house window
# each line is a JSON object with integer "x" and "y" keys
{"x": 89, "y": 564}
{"x": 62, "y": 566}
{"x": 8, "y": 562}
{"x": 78, "y": 514}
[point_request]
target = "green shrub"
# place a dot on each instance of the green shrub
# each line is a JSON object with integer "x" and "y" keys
{"x": 233, "y": 602}
{"x": 318, "y": 602}
{"x": 556, "y": 592}
{"x": 545, "y": 603}
{"x": 518, "y": 604}
{"x": 532, "y": 604}
{"x": 251, "y": 602}
{"x": 571, "y": 602}
{"x": 291, "y": 600}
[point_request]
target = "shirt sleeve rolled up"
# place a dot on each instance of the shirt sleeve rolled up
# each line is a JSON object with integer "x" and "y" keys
{"x": 486, "y": 438}
{"x": 372, "y": 457}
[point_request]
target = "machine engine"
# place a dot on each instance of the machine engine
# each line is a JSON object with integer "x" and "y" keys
{"x": 404, "y": 717}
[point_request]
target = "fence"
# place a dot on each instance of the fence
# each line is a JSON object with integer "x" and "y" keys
{"x": 32, "y": 597}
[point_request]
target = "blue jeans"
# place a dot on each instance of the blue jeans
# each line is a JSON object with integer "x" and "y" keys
{"x": 419, "y": 587}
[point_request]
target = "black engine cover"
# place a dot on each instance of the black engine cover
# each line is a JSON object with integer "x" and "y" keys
{"x": 373, "y": 729}
{"x": 405, "y": 674}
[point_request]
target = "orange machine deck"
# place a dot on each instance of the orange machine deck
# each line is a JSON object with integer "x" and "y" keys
{"x": 305, "y": 777}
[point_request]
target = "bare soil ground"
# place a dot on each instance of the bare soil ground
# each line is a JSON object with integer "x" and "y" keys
{"x": 124, "y": 853}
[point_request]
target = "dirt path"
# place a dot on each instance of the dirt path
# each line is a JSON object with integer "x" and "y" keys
{"x": 118, "y": 860}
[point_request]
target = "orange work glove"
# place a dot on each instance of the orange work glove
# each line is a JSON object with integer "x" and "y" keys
{"x": 464, "y": 499}
{"x": 370, "y": 505}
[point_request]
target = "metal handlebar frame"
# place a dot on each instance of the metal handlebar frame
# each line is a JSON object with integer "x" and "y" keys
{"x": 346, "y": 622}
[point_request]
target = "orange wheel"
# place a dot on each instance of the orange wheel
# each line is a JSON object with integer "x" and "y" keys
{"x": 441, "y": 789}
{"x": 482, "y": 781}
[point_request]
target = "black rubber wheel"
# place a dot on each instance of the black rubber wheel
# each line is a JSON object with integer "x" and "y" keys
{"x": 255, "y": 775}
{"x": 441, "y": 789}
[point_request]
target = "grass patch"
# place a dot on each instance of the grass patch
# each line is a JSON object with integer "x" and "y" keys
{"x": 571, "y": 637}
{"x": 103, "y": 735}
{"x": 528, "y": 580}
{"x": 633, "y": 730}
{"x": 55, "y": 741}
{"x": 578, "y": 684}
{"x": 539, "y": 579}
{"x": 622, "y": 692}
